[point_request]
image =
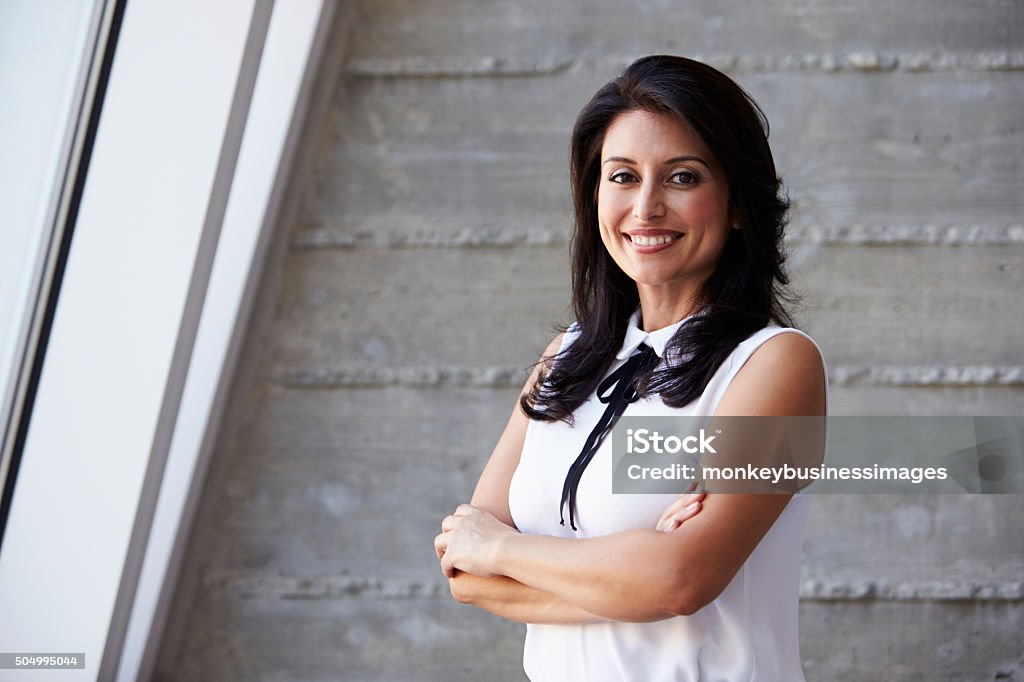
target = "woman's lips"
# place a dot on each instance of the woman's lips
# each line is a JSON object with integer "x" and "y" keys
{"x": 651, "y": 241}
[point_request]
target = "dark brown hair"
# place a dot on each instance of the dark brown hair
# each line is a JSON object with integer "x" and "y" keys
{"x": 744, "y": 293}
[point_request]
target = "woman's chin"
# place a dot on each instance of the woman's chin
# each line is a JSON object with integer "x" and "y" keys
{"x": 656, "y": 277}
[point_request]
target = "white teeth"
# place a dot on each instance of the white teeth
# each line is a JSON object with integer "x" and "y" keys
{"x": 650, "y": 241}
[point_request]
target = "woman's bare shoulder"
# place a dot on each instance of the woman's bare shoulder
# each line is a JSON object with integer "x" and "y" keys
{"x": 543, "y": 365}
{"x": 785, "y": 375}
{"x": 555, "y": 345}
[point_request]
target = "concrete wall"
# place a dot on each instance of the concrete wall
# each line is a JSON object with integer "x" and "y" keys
{"x": 426, "y": 261}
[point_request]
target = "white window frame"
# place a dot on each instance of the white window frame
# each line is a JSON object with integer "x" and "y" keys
{"x": 194, "y": 145}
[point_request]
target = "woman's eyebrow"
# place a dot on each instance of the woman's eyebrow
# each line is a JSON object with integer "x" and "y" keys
{"x": 674, "y": 159}
{"x": 678, "y": 159}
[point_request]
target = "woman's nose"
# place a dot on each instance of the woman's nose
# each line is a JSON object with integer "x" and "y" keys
{"x": 648, "y": 205}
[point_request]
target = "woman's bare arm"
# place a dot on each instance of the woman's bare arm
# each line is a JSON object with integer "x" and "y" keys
{"x": 491, "y": 491}
{"x": 513, "y": 600}
{"x": 644, "y": 574}
{"x": 501, "y": 595}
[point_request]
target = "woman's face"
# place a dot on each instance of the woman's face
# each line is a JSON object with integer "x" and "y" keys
{"x": 662, "y": 204}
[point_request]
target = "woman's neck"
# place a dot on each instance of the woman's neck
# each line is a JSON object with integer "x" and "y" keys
{"x": 658, "y": 315}
{"x": 666, "y": 303}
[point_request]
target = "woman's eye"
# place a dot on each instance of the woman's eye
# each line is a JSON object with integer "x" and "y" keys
{"x": 621, "y": 177}
{"x": 685, "y": 178}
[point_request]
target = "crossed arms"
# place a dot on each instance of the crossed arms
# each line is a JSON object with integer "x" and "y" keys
{"x": 638, "y": 575}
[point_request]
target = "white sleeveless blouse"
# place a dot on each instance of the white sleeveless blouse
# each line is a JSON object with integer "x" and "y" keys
{"x": 749, "y": 632}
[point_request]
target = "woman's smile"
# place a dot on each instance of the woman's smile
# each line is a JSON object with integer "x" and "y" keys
{"x": 651, "y": 241}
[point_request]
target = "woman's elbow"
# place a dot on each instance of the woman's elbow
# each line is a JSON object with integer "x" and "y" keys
{"x": 682, "y": 604}
{"x": 689, "y": 606}
{"x": 688, "y": 597}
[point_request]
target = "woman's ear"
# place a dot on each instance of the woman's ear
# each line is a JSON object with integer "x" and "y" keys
{"x": 734, "y": 218}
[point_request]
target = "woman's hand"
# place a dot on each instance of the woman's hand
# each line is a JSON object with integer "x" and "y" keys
{"x": 468, "y": 541}
{"x": 685, "y": 506}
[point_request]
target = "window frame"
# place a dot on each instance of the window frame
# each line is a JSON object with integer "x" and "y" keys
{"x": 195, "y": 144}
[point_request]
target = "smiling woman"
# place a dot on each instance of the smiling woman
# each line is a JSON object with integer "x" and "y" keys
{"x": 677, "y": 286}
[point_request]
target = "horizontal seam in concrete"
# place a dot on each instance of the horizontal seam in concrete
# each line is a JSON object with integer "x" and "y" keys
{"x": 926, "y": 376}
{"x": 420, "y": 377}
{"x": 912, "y": 590}
{"x": 319, "y": 586}
{"x": 456, "y": 67}
{"x": 907, "y": 235}
{"x": 831, "y": 235}
{"x": 858, "y": 62}
{"x": 486, "y": 237}
{"x": 929, "y": 375}
{"x": 284, "y": 586}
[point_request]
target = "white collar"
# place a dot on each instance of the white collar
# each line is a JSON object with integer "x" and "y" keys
{"x": 656, "y": 339}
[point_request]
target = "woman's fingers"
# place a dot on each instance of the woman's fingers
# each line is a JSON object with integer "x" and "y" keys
{"x": 467, "y": 538}
{"x": 440, "y": 545}
{"x": 679, "y": 517}
{"x": 448, "y": 524}
{"x": 447, "y": 568}
{"x": 681, "y": 504}
{"x": 464, "y": 510}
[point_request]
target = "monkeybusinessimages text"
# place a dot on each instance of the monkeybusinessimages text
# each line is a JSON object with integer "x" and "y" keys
{"x": 646, "y": 441}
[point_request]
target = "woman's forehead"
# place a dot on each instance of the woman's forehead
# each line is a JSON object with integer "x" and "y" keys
{"x": 653, "y": 136}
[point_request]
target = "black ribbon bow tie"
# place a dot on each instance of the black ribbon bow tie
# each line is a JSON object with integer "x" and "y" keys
{"x": 617, "y": 390}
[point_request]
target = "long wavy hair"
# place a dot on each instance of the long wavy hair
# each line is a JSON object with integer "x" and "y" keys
{"x": 747, "y": 289}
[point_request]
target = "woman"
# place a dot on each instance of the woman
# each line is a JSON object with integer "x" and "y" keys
{"x": 678, "y": 283}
